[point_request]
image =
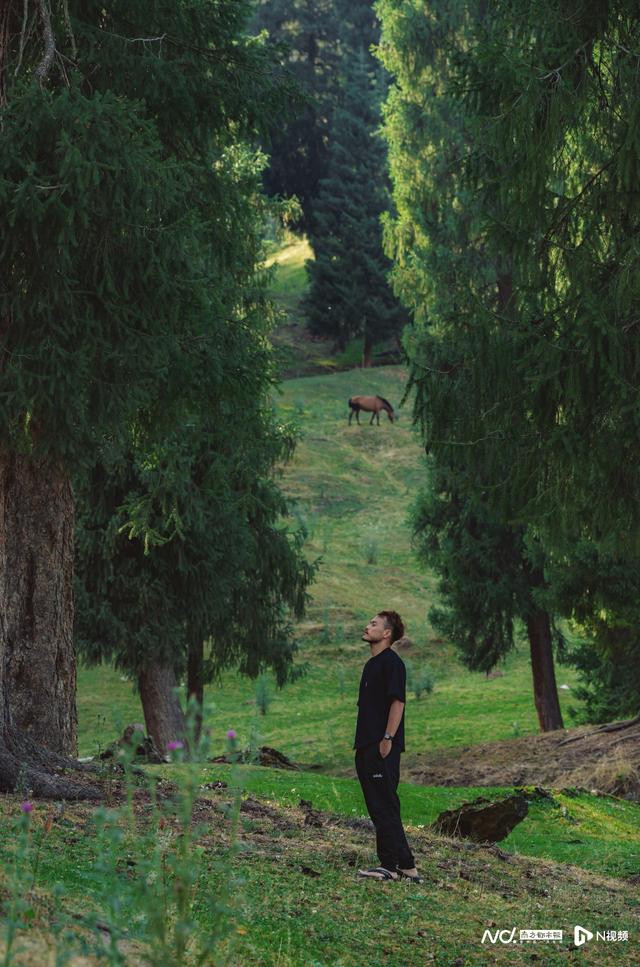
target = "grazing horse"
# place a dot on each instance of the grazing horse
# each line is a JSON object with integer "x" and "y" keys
{"x": 370, "y": 404}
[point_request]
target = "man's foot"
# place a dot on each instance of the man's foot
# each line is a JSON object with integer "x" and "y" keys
{"x": 411, "y": 874}
{"x": 378, "y": 873}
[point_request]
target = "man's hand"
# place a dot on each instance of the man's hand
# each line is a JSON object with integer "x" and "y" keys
{"x": 385, "y": 747}
{"x": 395, "y": 717}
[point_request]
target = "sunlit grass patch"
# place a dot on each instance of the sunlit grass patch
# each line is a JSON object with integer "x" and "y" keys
{"x": 290, "y": 277}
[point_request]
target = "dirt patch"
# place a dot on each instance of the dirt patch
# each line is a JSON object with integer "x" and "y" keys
{"x": 603, "y": 758}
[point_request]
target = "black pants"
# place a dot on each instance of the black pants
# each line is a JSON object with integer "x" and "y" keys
{"x": 379, "y": 780}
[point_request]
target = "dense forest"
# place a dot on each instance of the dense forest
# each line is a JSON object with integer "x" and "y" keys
{"x": 464, "y": 178}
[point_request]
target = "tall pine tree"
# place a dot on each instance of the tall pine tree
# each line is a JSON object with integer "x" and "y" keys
{"x": 349, "y": 293}
{"x": 310, "y": 30}
{"x": 491, "y": 581}
{"x": 513, "y": 150}
{"x": 123, "y": 277}
{"x": 320, "y": 37}
{"x": 490, "y": 565}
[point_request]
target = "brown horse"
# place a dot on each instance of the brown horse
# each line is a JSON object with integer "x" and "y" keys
{"x": 370, "y": 404}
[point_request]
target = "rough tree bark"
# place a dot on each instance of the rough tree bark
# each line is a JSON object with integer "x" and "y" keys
{"x": 545, "y": 691}
{"x": 37, "y": 661}
{"x": 162, "y": 712}
{"x": 36, "y": 597}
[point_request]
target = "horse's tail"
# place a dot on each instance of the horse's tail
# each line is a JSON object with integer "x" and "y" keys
{"x": 352, "y": 404}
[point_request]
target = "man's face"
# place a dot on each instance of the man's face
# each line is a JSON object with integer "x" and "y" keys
{"x": 375, "y": 630}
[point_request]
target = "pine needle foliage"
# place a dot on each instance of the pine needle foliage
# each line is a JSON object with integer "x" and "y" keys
{"x": 487, "y": 574}
{"x": 349, "y": 293}
{"x": 514, "y": 151}
{"x": 134, "y": 320}
{"x": 320, "y": 37}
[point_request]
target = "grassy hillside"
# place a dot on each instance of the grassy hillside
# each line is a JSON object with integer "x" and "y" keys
{"x": 353, "y": 486}
{"x": 298, "y": 354}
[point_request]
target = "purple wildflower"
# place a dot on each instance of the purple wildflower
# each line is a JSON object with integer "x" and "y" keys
{"x": 26, "y": 807}
{"x": 173, "y": 746}
{"x": 232, "y": 734}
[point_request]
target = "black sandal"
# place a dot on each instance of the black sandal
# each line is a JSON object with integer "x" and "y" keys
{"x": 384, "y": 874}
{"x": 407, "y": 876}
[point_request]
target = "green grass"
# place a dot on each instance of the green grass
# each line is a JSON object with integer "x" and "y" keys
{"x": 290, "y": 279}
{"x": 597, "y": 833}
{"x": 294, "y": 900}
{"x": 312, "y": 721}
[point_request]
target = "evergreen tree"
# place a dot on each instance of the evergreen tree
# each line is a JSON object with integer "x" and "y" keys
{"x": 321, "y": 37}
{"x": 599, "y": 594}
{"x": 123, "y": 276}
{"x": 185, "y": 565}
{"x": 513, "y": 153}
{"x": 541, "y": 299}
{"x": 491, "y": 565}
{"x": 309, "y": 30}
{"x": 349, "y": 294}
{"x": 490, "y": 579}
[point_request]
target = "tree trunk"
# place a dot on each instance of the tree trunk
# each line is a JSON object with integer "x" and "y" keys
{"x": 162, "y": 712}
{"x": 545, "y": 692}
{"x": 367, "y": 350}
{"x": 37, "y": 662}
{"x": 195, "y": 682}
{"x": 36, "y": 598}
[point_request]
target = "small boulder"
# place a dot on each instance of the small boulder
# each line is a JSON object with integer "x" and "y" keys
{"x": 311, "y": 816}
{"x": 274, "y": 759}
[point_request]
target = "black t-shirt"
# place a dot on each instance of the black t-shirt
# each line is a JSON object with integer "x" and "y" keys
{"x": 383, "y": 680}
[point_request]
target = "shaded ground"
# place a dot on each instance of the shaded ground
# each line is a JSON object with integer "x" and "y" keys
{"x": 294, "y": 898}
{"x": 605, "y": 758}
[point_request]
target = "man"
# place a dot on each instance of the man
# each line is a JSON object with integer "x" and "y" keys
{"x": 378, "y": 743}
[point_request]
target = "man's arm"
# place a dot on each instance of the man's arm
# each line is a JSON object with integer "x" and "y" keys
{"x": 393, "y": 722}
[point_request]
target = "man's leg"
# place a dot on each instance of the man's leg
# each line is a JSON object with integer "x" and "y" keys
{"x": 406, "y": 861}
{"x": 383, "y": 805}
{"x": 369, "y": 773}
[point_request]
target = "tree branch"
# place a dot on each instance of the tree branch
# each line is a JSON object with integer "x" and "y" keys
{"x": 44, "y": 66}
{"x": 574, "y": 201}
{"x": 614, "y": 727}
{"x": 23, "y": 34}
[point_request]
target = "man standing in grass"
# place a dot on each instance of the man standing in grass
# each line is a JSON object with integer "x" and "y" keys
{"x": 378, "y": 743}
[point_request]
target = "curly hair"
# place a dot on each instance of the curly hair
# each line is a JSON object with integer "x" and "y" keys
{"x": 393, "y": 620}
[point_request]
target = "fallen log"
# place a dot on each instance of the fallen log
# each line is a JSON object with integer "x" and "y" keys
{"x": 612, "y": 727}
{"x": 483, "y": 820}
